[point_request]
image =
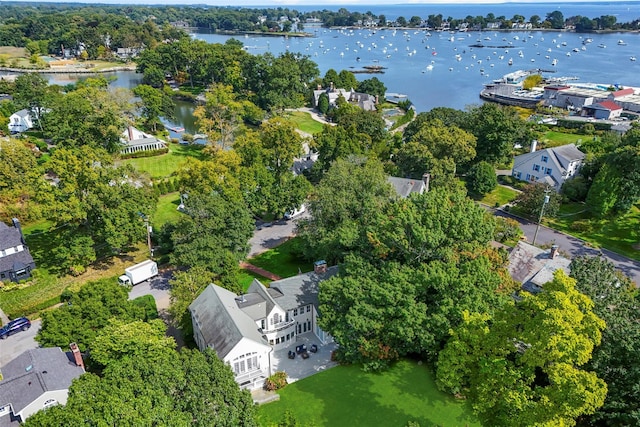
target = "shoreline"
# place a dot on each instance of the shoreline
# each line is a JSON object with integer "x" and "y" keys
{"x": 71, "y": 70}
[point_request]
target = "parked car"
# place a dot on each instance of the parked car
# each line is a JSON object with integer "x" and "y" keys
{"x": 16, "y": 325}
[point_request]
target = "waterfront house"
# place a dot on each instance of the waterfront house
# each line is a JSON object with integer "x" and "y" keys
{"x": 20, "y": 121}
{"x": 551, "y": 165}
{"x": 245, "y": 329}
{"x": 134, "y": 141}
{"x": 16, "y": 262}
{"x": 605, "y": 110}
{"x": 577, "y": 97}
{"x": 37, "y": 379}
{"x": 363, "y": 100}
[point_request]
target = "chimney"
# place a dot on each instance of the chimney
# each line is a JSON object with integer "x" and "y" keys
{"x": 553, "y": 252}
{"x": 426, "y": 178}
{"x": 534, "y": 145}
{"x": 76, "y": 354}
{"x": 16, "y": 224}
{"x": 130, "y": 133}
{"x": 331, "y": 86}
{"x": 320, "y": 267}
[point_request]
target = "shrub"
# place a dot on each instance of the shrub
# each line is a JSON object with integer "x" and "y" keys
{"x": 187, "y": 137}
{"x": 482, "y": 178}
{"x": 581, "y": 225}
{"x": 276, "y": 381}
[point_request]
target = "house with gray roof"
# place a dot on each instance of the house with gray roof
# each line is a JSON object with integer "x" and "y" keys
{"x": 134, "y": 140}
{"x": 243, "y": 330}
{"x": 405, "y": 186}
{"x": 551, "y": 165}
{"x": 533, "y": 267}
{"x": 20, "y": 121}
{"x": 37, "y": 379}
{"x": 363, "y": 100}
{"x": 16, "y": 262}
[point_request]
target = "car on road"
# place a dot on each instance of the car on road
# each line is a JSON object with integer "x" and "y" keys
{"x": 14, "y": 326}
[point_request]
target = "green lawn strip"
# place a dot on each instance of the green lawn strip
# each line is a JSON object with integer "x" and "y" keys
{"x": 305, "y": 122}
{"x": 617, "y": 234}
{"x": 166, "y": 210}
{"x": 164, "y": 165}
{"x": 282, "y": 260}
{"x": 246, "y": 278}
{"x": 555, "y": 139}
{"x": 348, "y": 396}
{"x": 499, "y": 196}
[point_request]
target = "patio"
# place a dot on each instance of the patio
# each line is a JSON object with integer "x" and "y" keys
{"x": 298, "y": 367}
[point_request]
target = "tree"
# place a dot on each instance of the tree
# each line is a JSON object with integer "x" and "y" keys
{"x": 348, "y": 197}
{"x": 373, "y": 86}
{"x": 523, "y": 365}
{"x": 347, "y": 80}
{"x": 185, "y": 288}
{"x": 335, "y": 142}
{"x": 32, "y": 92}
{"x": 532, "y": 197}
{"x": 155, "y": 104}
{"x": 323, "y": 103}
{"x": 281, "y": 144}
{"x": 555, "y": 19}
{"x": 89, "y": 311}
{"x": 20, "y": 180}
{"x": 75, "y": 253}
{"x": 481, "y": 178}
{"x": 615, "y": 301}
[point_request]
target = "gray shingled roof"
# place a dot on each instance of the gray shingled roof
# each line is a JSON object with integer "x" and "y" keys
{"x": 221, "y": 322}
{"x": 142, "y": 141}
{"x": 9, "y": 236}
{"x": 301, "y": 289}
{"x": 23, "y": 113}
{"x": 569, "y": 152}
{"x": 405, "y": 187}
{"x": 34, "y": 372}
{"x": 533, "y": 266}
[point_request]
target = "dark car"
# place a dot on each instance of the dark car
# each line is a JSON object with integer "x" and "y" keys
{"x": 16, "y": 325}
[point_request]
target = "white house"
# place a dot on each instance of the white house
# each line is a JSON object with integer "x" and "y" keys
{"x": 244, "y": 329}
{"x": 134, "y": 140}
{"x": 20, "y": 121}
{"x": 35, "y": 380}
{"x": 365, "y": 101}
{"x": 552, "y": 165}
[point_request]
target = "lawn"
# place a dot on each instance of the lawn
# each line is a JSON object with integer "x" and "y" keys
{"x": 555, "y": 139}
{"x": 246, "y": 278}
{"x": 166, "y": 210}
{"x": 304, "y": 122}
{"x": 498, "y": 197}
{"x": 282, "y": 260}
{"x": 616, "y": 234}
{"x": 347, "y": 396}
{"x": 164, "y": 165}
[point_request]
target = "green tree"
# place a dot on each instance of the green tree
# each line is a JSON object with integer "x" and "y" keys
{"x": 75, "y": 252}
{"x": 31, "y": 91}
{"x": 615, "y": 301}
{"x": 523, "y": 365}
{"x": 323, "y": 103}
{"x": 532, "y": 197}
{"x": 155, "y": 104}
{"x": 185, "y": 287}
{"x": 281, "y": 144}
{"x": 481, "y": 178}
{"x": 337, "y": 142}
{"x": 373, "y": 86}
{"x": 555, "y": 19}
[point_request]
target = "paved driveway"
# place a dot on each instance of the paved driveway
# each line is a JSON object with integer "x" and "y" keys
{"x": 16, "y": 344}
{"x": 269, "y": 235}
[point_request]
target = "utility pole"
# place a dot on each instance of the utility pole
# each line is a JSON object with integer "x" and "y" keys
{"x": 148, "y": 227}
{"x": 544, "y": 203}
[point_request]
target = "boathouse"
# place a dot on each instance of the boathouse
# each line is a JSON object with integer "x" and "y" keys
{"x": 134, "y": 141}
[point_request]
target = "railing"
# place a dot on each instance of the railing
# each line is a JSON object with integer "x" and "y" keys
{"x": 249, "y": 376}
{"x": 278, "y": 327}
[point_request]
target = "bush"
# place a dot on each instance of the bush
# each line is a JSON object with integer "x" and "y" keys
{"x": 482, "y": 178}
{"x": 187, "y": 137}
{"x": 581, "y": 226}
{"x": 276, "y": 381}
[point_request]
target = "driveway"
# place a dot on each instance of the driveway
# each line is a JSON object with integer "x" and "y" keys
{"x": 573, "y": 246}
{"x": 17, "y": 344}
{"x": 269, "y": 235}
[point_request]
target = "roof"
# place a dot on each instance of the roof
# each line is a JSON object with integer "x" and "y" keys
{"x": 405, "y": 187}
{"x": 22, "y": 113}
{"x": 608, "y": 105}
{"x": 533, "y": 267}
{"x": 10, "y": 237}
{"x": 569, "y": 152}
{"x": 34, "y": 372}
{"x": 221, "y": 322}
{"x": 142, "y": 141}
{"x": 560, "y": 157}
{"x": 301, "y": 289}
{"x": 623, "y": 92}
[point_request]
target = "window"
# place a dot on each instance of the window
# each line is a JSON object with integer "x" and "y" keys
{"x": 295, "y": 311}
{"x": 263, "y": 324}
{"x": 304, "y": 327}
{"x": 277, "y": 340}
{"x": 299, "y": 328}
{"x": 309, "y": 325}
{"x": 536, "y": 167}
{"x": 49, "y": 402}
{"x": 545, "y": 159}
{"x": 309, "y": 308}
{"x": 276, "y": 318}
{"x": 246, "y": 362}
{"x": 549, "y": 170}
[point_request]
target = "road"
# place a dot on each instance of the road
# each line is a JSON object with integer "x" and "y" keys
{"x": 573, "y": 246}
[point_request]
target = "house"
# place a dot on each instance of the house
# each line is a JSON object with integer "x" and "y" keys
{"x": 134, "y": 141}
{"x": 533, "y": 267}
{"x": 128, "y": 52}
{"x": 365, "y": 101}
{"x": 16, "y": 263}
{"x": 405, "y": 187}
{"x": 605, "y": 110}
{"x": 245, "y": 329}
{"x": 35, "y": 380}
{"x": 553, "y": 165}
{"x": 20, "y": 121}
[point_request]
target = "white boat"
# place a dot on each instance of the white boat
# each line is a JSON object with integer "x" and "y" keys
{"x": 602, "y": 45}
{"x": 633, "y": 58}
{"x": 621, "y": 43}
{"x": 510, "y": 61}
{"x": 554, "y": 62}
{"x": 429, "y": 67}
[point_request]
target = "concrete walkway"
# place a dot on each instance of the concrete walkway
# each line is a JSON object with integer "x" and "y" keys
{"x": 261, "y": 271}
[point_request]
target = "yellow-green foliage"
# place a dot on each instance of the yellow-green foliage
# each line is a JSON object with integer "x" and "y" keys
{"x": 532, "y": 81}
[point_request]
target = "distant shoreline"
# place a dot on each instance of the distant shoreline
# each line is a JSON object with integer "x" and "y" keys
{"x": 70, "y": 70}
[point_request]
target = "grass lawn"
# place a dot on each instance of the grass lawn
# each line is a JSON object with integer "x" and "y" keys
{"x": 347, "y": 396}
{"x": 281, "y": 260}
{"x": 555, "y": 139}
{"x": 616, "y": 234}
{"x": 246, "y": 278}
{"x": 499, "y": 196}
{"x": 164, "y": 165}
{"x": 167, "y": 210}
{"x": 304, "y": 122}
